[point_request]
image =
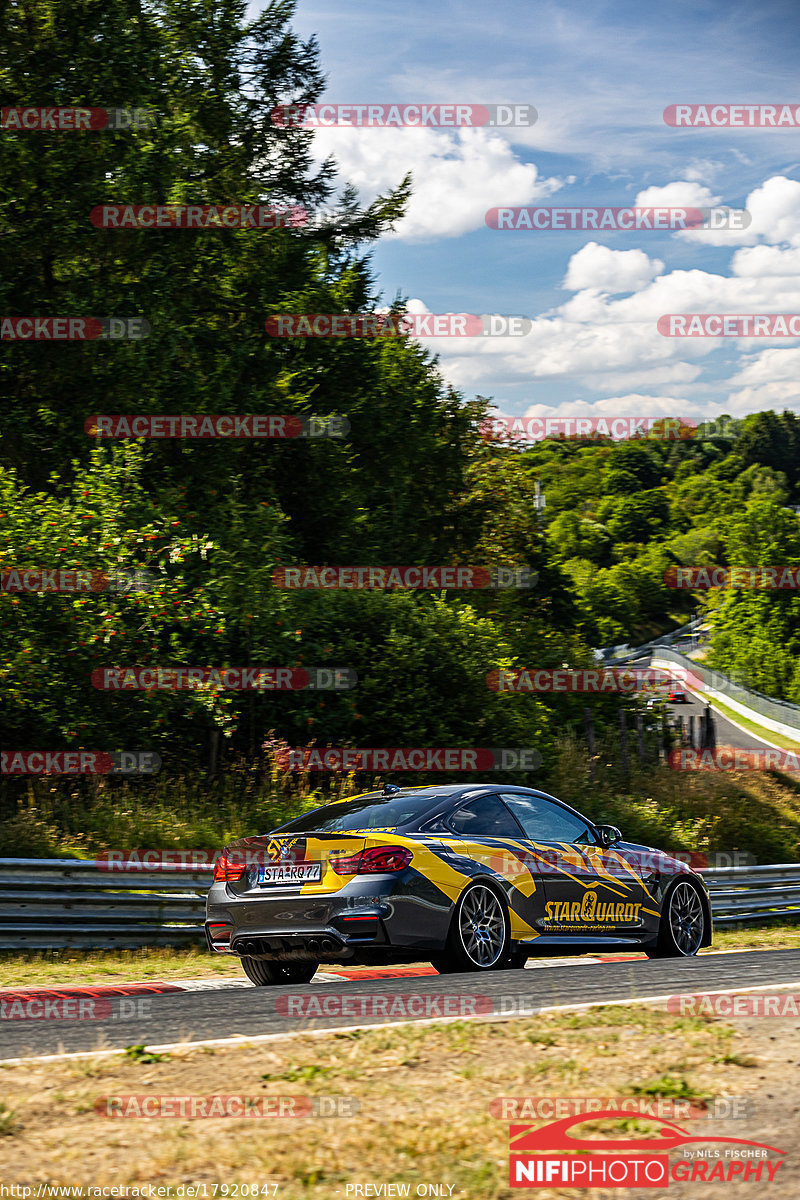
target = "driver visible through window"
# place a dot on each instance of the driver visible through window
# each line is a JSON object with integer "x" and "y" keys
{"x": 486, "y": 817}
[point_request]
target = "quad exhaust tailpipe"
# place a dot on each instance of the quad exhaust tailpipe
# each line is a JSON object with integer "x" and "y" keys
{"x": 278, "y": 947}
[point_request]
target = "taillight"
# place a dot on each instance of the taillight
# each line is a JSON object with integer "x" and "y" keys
{"x": 375, "y": 861}
{"x": 347, "y": 866}
{"x": 227, "y": 872}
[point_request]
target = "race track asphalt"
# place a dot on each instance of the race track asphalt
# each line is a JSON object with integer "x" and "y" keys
{"x": 244, "y": 1012}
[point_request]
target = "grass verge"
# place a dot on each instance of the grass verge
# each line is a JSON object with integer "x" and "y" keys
{"x": 79, "y": 967}
{"x": 422, "y": 1094}
{"x": 776, "y": 739}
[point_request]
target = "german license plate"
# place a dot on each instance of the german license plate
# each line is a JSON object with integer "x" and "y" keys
{"x": 290, "y": 873}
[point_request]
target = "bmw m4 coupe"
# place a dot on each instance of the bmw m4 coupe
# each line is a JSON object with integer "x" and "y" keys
{"x": 474, "y": 877}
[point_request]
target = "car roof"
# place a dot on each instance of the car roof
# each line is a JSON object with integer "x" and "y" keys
{"x": 441, "y": 796}
{"x": 451, "y": 789}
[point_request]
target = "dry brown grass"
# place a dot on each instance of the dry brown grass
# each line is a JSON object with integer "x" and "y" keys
{"x": 423, "y": 1093}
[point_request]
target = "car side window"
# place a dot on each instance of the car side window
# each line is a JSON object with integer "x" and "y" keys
{"x": 485, "y": 817}
{"x": 544, "y": 821}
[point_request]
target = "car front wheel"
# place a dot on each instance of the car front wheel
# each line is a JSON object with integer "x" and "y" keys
{"x": 265, "y": 974}
{"x": 682, "y": 926}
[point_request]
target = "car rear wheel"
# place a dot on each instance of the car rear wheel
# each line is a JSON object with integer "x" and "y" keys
{"x": 263, "y": 974}
{"x": 682, "y": 926}
{"x": 478, "y": 938}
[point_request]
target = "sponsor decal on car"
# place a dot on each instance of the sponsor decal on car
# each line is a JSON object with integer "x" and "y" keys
{"x": 572, "y": 913}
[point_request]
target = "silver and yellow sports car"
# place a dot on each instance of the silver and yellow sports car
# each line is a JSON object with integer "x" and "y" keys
{"x": 473, "y": 877}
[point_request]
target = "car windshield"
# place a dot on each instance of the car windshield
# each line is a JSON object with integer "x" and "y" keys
{"x": 368, "y": 812}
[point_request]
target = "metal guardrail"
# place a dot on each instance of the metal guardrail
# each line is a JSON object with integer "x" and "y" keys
{"x": 48, "y": 904}
{"x": 56, "y": 903}
{"x": 665, "y": 639}
{"x": 766, "y": 706}
{"x": 746, "y": 894}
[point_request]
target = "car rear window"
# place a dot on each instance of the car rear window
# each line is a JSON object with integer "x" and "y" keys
{"x": 372, "y": 812}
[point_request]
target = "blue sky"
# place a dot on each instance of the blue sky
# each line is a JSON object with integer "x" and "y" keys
{"x": 600, "y": 76}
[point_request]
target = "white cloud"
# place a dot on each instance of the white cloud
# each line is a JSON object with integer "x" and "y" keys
{"x": 458, "y": 177}
{"x": 703, "y": 168}
{"x": 681, "y": 193}
{"x": 756, "y": 399}
{"x": 761, "y": 261}
{"x": 771, "y": 366}
{"x": 774, "y": 208}
{"x": 602, "y": 339}
{"x": 630, "y": 404}
{"x": 598, "y": 268}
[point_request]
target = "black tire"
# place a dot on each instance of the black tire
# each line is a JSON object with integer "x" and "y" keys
{"x": 265, "y": 974}
{"x": 683, "y": 923}
{"x": 479, "y": 933}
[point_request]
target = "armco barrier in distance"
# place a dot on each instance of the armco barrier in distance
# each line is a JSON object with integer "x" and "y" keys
{"x": 55, "y": 903}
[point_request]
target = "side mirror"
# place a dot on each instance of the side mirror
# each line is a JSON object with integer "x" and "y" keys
{"x": 609, "y": 835}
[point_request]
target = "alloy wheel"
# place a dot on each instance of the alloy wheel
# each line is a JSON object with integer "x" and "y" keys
{"x": 482, "y": 926}
{"x": 686, "y": 921}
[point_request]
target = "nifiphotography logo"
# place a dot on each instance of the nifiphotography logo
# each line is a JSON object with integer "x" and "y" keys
{"x": 632, "y": 1162}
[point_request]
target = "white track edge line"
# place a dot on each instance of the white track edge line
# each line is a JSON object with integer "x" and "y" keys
{"x": 243, "y": 1040}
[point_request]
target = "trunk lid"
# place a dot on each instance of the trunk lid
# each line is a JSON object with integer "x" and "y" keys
{"x": 297, "y": 862}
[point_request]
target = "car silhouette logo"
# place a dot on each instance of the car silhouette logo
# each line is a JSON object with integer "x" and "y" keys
{"x": 555, "y": 1136}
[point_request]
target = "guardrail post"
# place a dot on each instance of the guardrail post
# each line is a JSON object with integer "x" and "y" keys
{"x": 588, "y": 719}
{"x": 623, "y": 742}
{"x": 640, "y": 737}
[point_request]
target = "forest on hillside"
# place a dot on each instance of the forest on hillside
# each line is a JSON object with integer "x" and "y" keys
{"x": 414, "y": 481}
